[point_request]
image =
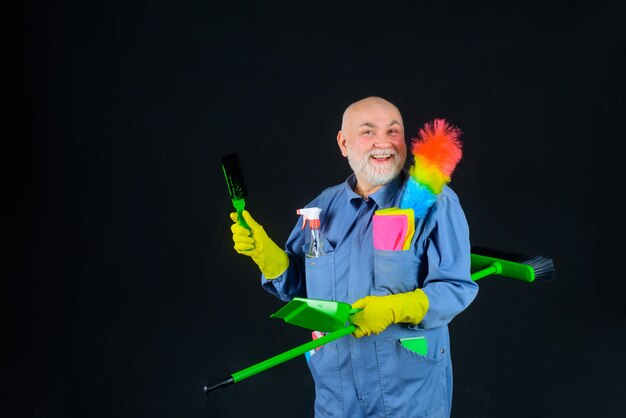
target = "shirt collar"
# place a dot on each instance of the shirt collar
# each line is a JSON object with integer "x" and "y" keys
{"x": 385, "y": 197}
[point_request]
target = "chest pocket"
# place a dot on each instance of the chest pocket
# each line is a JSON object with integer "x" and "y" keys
{"x": 320, "y": 274}
{"x": 394, "y": 272}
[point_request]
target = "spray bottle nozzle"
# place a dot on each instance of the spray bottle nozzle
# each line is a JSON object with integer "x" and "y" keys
{"x": 312, "y": 215}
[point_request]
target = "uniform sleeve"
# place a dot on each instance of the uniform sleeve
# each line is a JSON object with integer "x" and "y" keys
{"x": 448, "y": 282}
{"x": 292, "y": 282}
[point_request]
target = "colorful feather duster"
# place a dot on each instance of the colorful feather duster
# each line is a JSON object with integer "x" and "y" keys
{"x": 436, "y": 152}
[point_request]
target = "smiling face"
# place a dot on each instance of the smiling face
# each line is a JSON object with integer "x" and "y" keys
{"x": 372, "y": 138}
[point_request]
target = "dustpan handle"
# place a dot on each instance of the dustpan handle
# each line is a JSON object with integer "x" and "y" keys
{"x": 354, "y": 310}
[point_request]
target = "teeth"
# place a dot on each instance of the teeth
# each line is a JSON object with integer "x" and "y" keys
{"x": 382, "y": 154}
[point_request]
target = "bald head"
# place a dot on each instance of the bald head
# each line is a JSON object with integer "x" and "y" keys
{"x": 372, "y": 138}
{"x": 372, "y": 102}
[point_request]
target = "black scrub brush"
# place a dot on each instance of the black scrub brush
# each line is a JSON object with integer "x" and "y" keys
{"x": 237, "y": 188}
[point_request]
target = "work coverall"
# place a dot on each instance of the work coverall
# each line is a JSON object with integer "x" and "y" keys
{"x": 375, "y": 376}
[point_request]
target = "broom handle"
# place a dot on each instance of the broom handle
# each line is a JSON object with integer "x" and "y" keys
{"x": 495, "y": 268}
{"x": 294, "y": 352}
{"x": 280, "y": 358}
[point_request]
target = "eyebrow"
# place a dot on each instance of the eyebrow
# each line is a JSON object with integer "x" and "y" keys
{"x": 371, "y": 125}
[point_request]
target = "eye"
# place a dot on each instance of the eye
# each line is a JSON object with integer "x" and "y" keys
{"x": 368, "y": 132}
{"x": 393, "y": 132}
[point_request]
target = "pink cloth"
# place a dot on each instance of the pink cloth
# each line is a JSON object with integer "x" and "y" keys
{"x": 390, "y": 232}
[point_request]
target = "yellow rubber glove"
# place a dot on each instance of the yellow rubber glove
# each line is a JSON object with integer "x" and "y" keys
{"x": 270, "y": 258}
{"x": 381, "y": 311}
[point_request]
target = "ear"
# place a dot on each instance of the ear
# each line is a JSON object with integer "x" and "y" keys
{"x": 341, "y": 141}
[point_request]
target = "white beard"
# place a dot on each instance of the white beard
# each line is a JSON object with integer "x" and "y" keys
{"x": 372, "y": 174}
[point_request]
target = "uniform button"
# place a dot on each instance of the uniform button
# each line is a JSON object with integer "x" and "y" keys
{"x": 443, "y": 351}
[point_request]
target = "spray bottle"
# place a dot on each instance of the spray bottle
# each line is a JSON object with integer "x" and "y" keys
{"x": 316, "y": 245}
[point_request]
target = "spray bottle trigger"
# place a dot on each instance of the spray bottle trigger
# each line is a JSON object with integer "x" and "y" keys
{"x": 312, "y": 215}
{"x": 304, "y": 218}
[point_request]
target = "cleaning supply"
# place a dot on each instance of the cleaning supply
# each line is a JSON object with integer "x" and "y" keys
{"x": 316, "y": 243}
{"x": 314, "y": 336}
{"x": 278, "y": 359}
{"x": 316, "y": 314}
{"x": 237, "y": 188}
{"x": 436, "y": 153}
{"x": 393, "y": 229}
{"x": 331, "y": 316}
{"x": 417, "y": 345}
{"x": 381, "y": 311}
{"x": 323, "y": 315}
{"x": 490, "y": 261}
{"x": 255, "y": 243}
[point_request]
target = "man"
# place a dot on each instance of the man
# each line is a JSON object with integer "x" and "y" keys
{"x": 403, "y": 294}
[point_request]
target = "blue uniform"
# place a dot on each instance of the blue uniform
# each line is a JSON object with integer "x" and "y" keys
{"x": 376, "y": 376}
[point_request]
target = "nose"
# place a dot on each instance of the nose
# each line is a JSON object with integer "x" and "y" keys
{"x": 381, "y": 141}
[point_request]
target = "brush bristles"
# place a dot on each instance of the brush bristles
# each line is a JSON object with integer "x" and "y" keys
{"x": 542, "y": 266}
{"x": 234, "y": 177}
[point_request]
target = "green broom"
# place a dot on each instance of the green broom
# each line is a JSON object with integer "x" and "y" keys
{"x": 489, "y": 261}
{"x": 485, "y": 262}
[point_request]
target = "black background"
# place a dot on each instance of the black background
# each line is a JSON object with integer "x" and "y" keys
{"x": 122, "y": 295}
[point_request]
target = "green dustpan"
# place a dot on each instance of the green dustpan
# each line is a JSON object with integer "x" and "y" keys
{"x": 316, "y": 314}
